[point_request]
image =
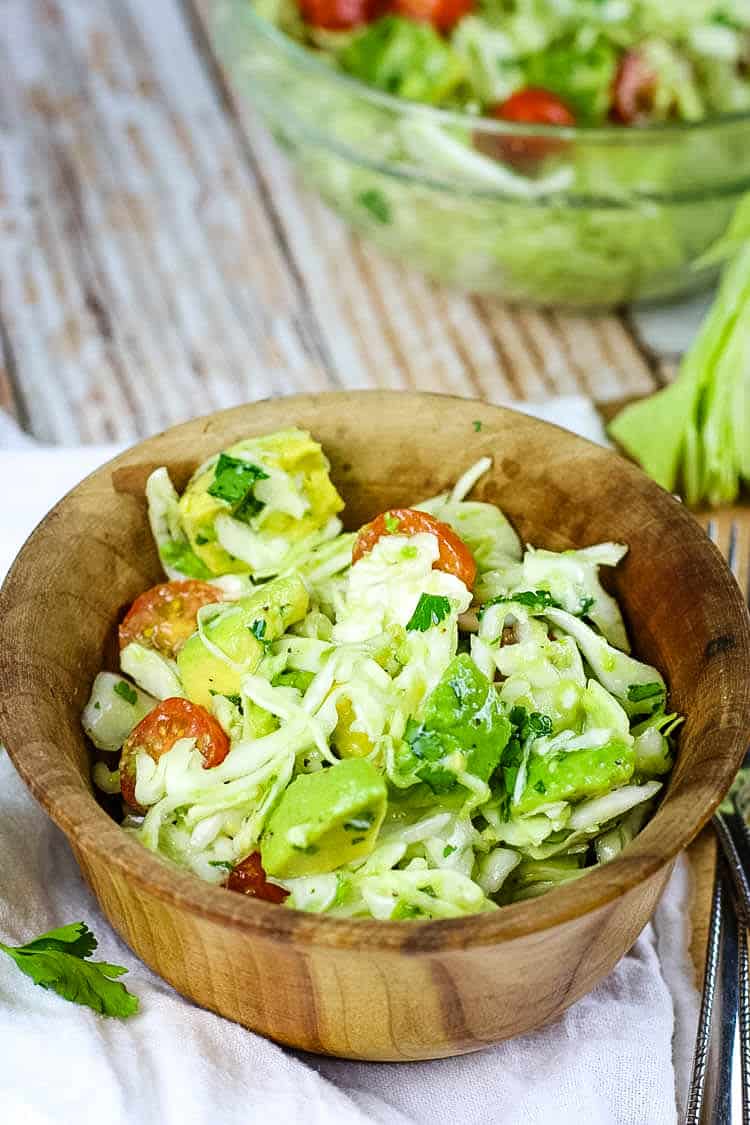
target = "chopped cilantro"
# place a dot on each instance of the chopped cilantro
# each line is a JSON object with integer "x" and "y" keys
{"x": 529, "y": 724}
{"x": 258, "y": 629}
{"x": 638, "y": 692}
{"x": 392, "y": 523}
{"x": 540, "y": 787}
{"x": 449, "y": 849}
{"x": 535, "y": 600}
{"x": 477, "y": 426}
{"x": 235, "y": 699}
{"x": 586, "y": 605}
{"x": 58, "y": 961}
{"x": 234, "y": 480}
{"x": 180, "y": 556}
{"x": 126, "y": 692}
{"x": 406, "y": 910}
{"x": 431, "y": 610}
{"x": 376, "y": 203}
{"x": 221, "y": 863}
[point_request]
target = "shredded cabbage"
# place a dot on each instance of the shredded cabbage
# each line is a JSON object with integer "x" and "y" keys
{"x": 494, "y": 764}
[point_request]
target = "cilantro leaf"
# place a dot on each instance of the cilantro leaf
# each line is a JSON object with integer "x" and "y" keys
{"x": 181, "y": 557}
{"x": 464, "y": 728}
{"x": 234, "y": 480}
{"x": 258, "y": 629}
{"x": 376, "y": 203}
{"x": 638, "y": 692}
{"x": 126, "y": 692}
{"x": 429, "y": 748}
{"x": 449, "y": 849}
{"x": 586, "y": 604}
{"x": 58, "y": 961}
{"x": 431, "y": 610}
{"x": 535, "y": 600}
{"x": 225, "y": 863}
{"x": 477, "y": 426}
{"x": 403, "y": 910}
{"x": 392, "y": 523}
{"x": 529, "y": 724}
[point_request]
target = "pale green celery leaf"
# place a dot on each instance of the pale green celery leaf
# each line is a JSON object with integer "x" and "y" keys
{"x": 695, "y": 432}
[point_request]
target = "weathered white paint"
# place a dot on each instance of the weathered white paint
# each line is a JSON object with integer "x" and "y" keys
{"x": 159, "y": 260}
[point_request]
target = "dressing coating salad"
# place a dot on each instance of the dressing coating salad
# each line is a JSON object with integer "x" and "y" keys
{"x": 423, "y": 719}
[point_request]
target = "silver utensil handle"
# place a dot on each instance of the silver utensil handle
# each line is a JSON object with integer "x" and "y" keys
{"x": 709, "y": 1095}
{"x": 744, "y": 978}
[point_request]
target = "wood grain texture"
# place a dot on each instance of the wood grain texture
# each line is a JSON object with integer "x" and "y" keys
{"x": 160, "y": 260}
{"x": 352, "y": 987}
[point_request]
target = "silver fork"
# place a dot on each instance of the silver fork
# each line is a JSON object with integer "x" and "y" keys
{"x": 726, "y": 983}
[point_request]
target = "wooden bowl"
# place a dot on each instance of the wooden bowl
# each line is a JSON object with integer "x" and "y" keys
{"x": 364, "y": 989}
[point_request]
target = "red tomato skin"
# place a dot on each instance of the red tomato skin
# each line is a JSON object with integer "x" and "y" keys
{"x": 633, "y": 89}
{"x": 530, "y": 106}
{"x": 442, "y": 14}
{"x": 157, "y": 733}
{"x": 454, "y": 558}
{"x": 164, "y": 616}
{"x": 335, "y": 15}
{"x": 249, "y": 878}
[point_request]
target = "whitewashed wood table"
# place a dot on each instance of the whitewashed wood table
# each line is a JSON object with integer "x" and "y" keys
{"x": 158, "y": 260}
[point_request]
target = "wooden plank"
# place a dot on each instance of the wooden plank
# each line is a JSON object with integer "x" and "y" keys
{"x": 384, "y": 324}
{"x": 142, "y": 279}
{"x": 166, "y": 262}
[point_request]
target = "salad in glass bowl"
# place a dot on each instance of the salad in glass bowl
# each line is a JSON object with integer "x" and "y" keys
{"x": 421, "y": 719}
{"x": 577, "y": 153}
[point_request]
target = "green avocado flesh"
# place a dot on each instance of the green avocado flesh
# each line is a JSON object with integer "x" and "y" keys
{"x": 324, "y": 820}
{"x": 575, "y": 775}
{"x": 241, "y": 631}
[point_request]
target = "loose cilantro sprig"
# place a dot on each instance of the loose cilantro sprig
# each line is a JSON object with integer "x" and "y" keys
{"x": 58, "y": 961}
{"x": 430, "y": 610}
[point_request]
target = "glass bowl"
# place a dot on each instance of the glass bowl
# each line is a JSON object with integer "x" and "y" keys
{"x": 578, "y": 218}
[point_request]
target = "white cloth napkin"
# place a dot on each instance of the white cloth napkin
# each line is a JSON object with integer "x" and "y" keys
{"x": 615, "y": 1058}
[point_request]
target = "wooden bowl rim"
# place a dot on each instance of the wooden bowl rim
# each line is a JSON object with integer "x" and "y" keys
{"x": 88, "y": 827}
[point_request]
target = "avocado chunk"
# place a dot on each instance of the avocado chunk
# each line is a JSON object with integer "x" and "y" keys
{"x": 241, "y": 631}
{"x": 240, "y": 483}
{"x": 574, "y": 775}
{"x": 325, "y": 819}
{"x": 463, "y": 728}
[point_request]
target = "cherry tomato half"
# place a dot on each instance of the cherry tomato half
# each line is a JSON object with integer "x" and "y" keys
{"x": 169, "y": 721}
{"x": 164, "y": 616}
{"x": 249, "y": 878}
{"x": 442, "y": 14}
{"x": 335, "y": 15}
{"x": 633, "y": 89}
{"x": 454, "y": 558}
{"x": 530, "y": 106}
